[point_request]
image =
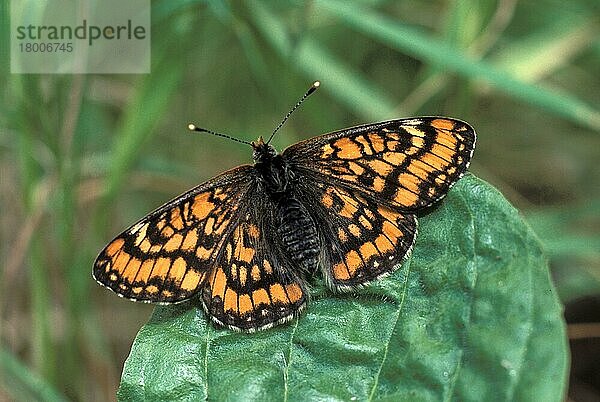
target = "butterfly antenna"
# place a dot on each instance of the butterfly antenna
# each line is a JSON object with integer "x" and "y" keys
{"x": 192, "y": 127}
{"x": 312, "y": 89}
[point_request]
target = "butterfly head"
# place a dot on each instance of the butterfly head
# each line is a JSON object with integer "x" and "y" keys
{"x": 262, "y": 151}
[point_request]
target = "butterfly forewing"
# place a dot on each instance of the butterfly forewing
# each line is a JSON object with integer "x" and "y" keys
{"x": 166, "y": 256}
{"x": 407, "y": 163}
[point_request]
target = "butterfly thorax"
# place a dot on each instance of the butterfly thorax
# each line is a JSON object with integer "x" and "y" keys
{"x": 273, "y": 172}
{"x": 295, "y": 227}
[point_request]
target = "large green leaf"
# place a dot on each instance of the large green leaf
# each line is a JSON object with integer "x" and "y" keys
{"x": 472, "y": 315}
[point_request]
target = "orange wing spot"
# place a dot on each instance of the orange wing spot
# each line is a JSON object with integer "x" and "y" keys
{"x": 268, "y": 267}
{"x": 392, "y": 145}
{"x": 388, "y": 214}
{"x": 176, "y": 220}
{"x": 255, "y": 273}
{"x": 443, "y": 152}
{"x": 378, "y": 184}
{"x": 229, "y": 251}
{"x": 145, "y": 245}
{"x": 443, "y": 124}
{"x": 161, "y": 267}
{"x": 391, "y": 230}
{"x": 377, "y": 142}
{"x": 203, "y": 253}
{"x": 418, "y": 142}
{"x": 356, "y": 168}
{"x": 342, "y": 235}
{"x": 348, "y": 210}
{"x": 219, "y": 283}
{"x": 133, "y": 266}
{"x": 353, "y": 261}
{"x": 340, "y": 272}
{"x": 243, "y": 274}
{"x": 190, "y": 240}
{"x": 174, "y": 243}
{"x": 394, "y": 158}
{"x": 365, "y": 223}
{"x": 201, "y": 207}
{"x": 326, "y": 151}
{"x": 436, "y": 158}
{"x": 412, "y": 150}
{"x": 137, "y": 290}
{"x": 123, "y": 286}
{"x": 234, "y": 272}
{"x": 327, "y": 200}
{"x": 368, "y": 250}
{"x": 231, "y": 298}
{"x": 151, "y": 289}
{"x": 144, "y": 272}
{"x": 178, "y": 269}
{"x": 418, "y": 168}
{"x": 354, "y": 229}
{"x": 380, "y": 167}
{"x": 278, "y": 294}
{"x": 113, "y": 277}
{"x": 365, "y": 144}
{"x": 167, "y": 231}
{"x": 446, "y": 139}
{"x": 191, "y": 280}
{"x": 369, "y": 214}
{"x": 405, "y": 197}
{"x": 294, "y": 292}
{"x": 409, "y": 182}
{"x": 209, "y": 226}
{"x": 245, "y": 304}
{"x": 120, "y": 263}
{"x": 260, "y": 296}
{"x": 166, "y": 293}
{"x": 253, "y": 231}
{"x": 156, "y": 248}
{"x": 383, "y": 244}
{"x": 245, "y": 254}
{"x": 348, "y": 149}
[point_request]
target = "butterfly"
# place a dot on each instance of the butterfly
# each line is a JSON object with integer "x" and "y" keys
{"x": 246, "y": 242}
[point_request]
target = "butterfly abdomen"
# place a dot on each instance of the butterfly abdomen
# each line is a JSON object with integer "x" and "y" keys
{"x": 298, "y": 234}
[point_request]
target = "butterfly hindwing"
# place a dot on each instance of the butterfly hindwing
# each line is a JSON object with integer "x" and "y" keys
{"x": 252, "y": 285}
{"x": 166, "y": 256}
{"x": 363, "y": 240}
{"x": 406, "y": 164}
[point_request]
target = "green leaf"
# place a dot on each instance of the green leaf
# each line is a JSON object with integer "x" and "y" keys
{"x": 472, "y": 315}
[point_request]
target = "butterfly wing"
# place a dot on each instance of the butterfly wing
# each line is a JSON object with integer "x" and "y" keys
{"x": 369, "y": 181}
{"x": 406, "y": 164}
{"x": 363, "y": 239}
{"x": 166, "y": 256}
{"x": 214, "y": 240}
{"x": 252, "y": 285}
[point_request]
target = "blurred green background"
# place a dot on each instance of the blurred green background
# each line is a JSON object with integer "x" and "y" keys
{"x": 84, "y": 156}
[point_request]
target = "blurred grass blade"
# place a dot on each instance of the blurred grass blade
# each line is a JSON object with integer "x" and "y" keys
{"x": 349, "y": 86}
{"x": 22, "y": 383}
{"x": 542, "y": 53}
{"x": 413, "y": 42}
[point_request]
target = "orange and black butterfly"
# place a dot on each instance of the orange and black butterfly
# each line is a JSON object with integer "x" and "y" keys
{"x": 247, "y": 241}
